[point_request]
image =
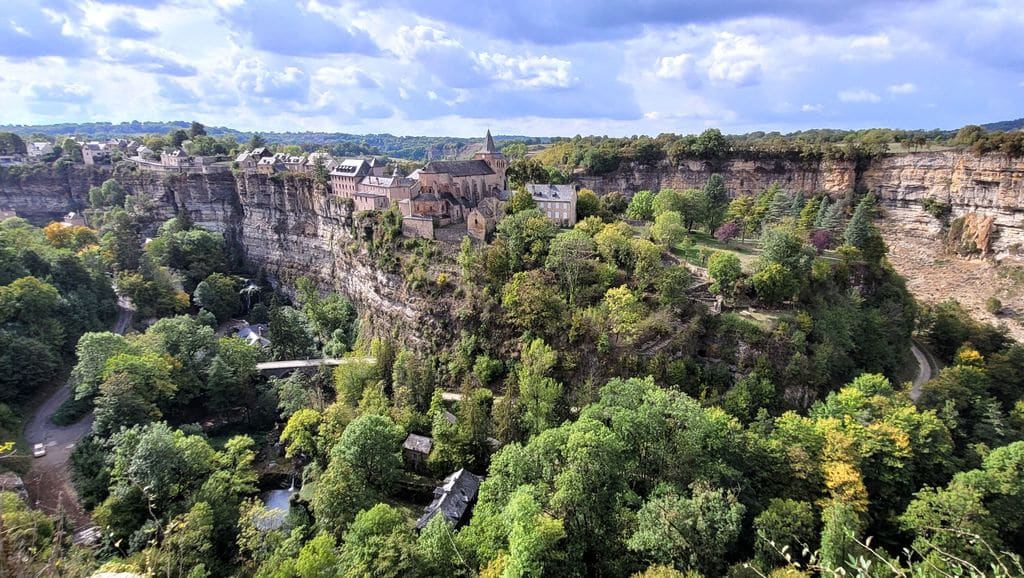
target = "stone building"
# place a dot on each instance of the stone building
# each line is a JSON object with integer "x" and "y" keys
{"x": 94, "y": 153}
{"x": 415, "y": 451}
{"x": 452, "y": 499}
{"x": 345, "y": 177}
{"x": 558, "y": 202}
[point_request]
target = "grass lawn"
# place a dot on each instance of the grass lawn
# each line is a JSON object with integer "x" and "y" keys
{"x": 699, "y": 243}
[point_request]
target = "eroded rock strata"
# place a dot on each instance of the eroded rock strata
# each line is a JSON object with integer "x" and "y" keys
{"x": 286, "y": 226}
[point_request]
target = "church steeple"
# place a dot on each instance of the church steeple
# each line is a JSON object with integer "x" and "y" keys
{"x": 489, "y": 143}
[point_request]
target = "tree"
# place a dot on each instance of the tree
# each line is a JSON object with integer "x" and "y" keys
{"x": 257, "y": 141}
{"x": 724, "y": 267}
{"x": 667, "y": 200}
{"x": 784, "y": 525}
{"x": 668, "y": 229}
{"x": 672, "y": 286}
{"x": 526, "y": 235}
{"x": 716, "y": 200}
{"x": 521, "y": 200}
{"x": 648, "y": 266}
{"x": 539, "y": 393}
{"x": 613, "y": 203}
{"x": 711, "y": 145}
{"x": 625, "y": 311}
{"x": 196, "y": 129}
{"x": 370, "y": 447}
{"x": 570, "y": 257}
{"x": 290, "y": 337}
{"x": 378, "y": 543}
{"x": 728, "y": 231}
{"x": 93, "y": 351}
{"x": 858, "y": 230}
{"x": 531, "y": 305}
{"x": 587, "y": 204}
{"x": 338, "y": 496}
{"x": 12, "y": 144}
{"x": 641, "y": 206}
{"x": 692, "y": 533}
{"x": 299, "y": 435}
{"x": 774, "y": 284}
{"x": 218, "y": 294}
{"x": 614, "y": 242}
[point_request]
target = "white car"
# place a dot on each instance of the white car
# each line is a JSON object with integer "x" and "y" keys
{"x": 39, "y": 450}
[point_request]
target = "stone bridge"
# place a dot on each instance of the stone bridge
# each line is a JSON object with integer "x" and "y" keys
{"x": 283, "y": 368}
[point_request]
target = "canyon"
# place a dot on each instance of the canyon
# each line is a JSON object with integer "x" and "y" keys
{"x": 286, "y": 226}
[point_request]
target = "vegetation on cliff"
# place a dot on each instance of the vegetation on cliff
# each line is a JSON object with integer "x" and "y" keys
{"x": 708, "y": 388}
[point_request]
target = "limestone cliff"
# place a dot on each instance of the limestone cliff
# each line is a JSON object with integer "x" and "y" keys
{"x": 290, "y": 228}
{"x": 284, "y": 226}
{"x": 41, "y": 194}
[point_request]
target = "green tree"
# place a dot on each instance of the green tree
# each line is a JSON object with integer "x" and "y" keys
{"x": 379, "y": 543}
{"x": 570, "y": 258}
{"x": 587, "y": 204}
{"x": 526, "y": 235}
{"x": 858, "y": 230}
{"x": 338, "y": 496}
{"x": 725, "y": 269}
{"x": 370, "y": 447}
{"x": 715, "y": 200}
{"x": 641, "y": 206}
{"x": 532, "y": 306}
{"x": 668, "y": 229}
{"x": 787, "y": 525}
{"x": 109, "y": 194}
{"x": 648, "y": 266}
{"x": 290, "y": 336}
{"x": 539, "y": 393}
{"x": 521, "y": 201}
{"x": 692, "y": 533}
{"x": 93, "y": 351}
{"x": 218, "y": 294}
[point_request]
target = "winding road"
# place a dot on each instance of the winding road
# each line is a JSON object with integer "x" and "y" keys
{"x": 924, "y": 370}
{"x": 48, "y": 482}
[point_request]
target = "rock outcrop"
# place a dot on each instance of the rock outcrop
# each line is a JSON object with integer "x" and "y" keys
{"x": 286, "y": 226}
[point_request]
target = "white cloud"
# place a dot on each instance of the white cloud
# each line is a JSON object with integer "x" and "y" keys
{"x": 735, "y": 60}
{"x": 349, "y": 76}
{"x": 253, "y": 77}
{"x": 905, "y": 88}
{"x": 811, "y": 108}
{"x": 678, "y": 67}
{"x": 859, "y": 95}
{"x": 877, "y": 47}
{"x": 528, "y": 72}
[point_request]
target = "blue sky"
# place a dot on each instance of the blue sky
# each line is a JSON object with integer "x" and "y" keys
{"x": 537, "y": 67}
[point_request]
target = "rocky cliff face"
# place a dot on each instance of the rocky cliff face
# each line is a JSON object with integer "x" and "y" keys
{"x": 43, "y": 194}
{"x": 290, "y": 228}
{"x": 287, "y": 227}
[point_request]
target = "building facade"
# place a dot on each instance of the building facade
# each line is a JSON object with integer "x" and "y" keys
{"x": 557, "y": 202}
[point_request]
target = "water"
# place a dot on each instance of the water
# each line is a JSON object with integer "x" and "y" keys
{"x": 277, "y": 503}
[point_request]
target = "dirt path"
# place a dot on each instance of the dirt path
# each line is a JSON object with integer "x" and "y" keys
{"x": 48, "y": 482}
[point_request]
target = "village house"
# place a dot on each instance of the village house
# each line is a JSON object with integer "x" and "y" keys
{"x": 415, "y": 451}
{"x": 177, "y": 158}
{"x": 452, "y": 499}
{"x": 557, "y": 202}
{"x": 345, "y": 177}
{"x": 39, "y": 149}
{"x": 269, "y": 165}
{"x": 94, "y": 153}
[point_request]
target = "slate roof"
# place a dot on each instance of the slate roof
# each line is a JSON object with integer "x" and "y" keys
{"x": 551, "y": 192}
{"x": 387, "y": 181}
{"x": 458, "y": 168}
{"x": 489, "y": 143}
{"x": 452, "y": 498}
{"x": 419, "y": 444}
{"x": 352, "y": 168}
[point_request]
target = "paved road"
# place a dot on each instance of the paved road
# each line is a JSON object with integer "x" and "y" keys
{"x": 48, "y": 482}
{"x": 924, "y": 371}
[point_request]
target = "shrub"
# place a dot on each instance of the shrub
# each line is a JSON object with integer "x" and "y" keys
{"x": 993, "y": 305}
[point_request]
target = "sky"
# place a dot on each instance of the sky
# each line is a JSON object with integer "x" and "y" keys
{"x": 530, "y": 67}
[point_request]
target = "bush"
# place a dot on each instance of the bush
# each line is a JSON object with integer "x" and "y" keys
{"x": 993, "y": 305}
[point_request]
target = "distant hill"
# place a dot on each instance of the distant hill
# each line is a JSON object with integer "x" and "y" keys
{"x": 1005, "y": 125}
{"x": 406, "y": 147}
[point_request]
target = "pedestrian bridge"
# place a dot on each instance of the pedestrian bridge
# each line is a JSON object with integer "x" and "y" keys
{"x": 283, "y": 368}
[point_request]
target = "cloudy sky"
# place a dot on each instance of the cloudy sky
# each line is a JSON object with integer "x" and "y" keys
{"x": 536, "y": 67}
